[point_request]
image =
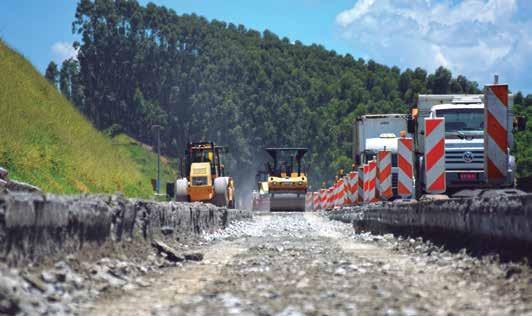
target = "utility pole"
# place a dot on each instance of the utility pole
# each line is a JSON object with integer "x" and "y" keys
{"x": 158, "y": 128}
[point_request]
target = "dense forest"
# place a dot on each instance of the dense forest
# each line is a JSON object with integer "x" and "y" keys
{"x": 209, "y": 80}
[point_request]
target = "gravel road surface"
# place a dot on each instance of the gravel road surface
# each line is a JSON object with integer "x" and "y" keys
{"x": 304, "y": 264}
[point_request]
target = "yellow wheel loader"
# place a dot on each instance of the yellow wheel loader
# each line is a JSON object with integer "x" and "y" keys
{"x": 261, "y": 199}
{"x": 287, "y": 182}
{"x": 204, "y": 179}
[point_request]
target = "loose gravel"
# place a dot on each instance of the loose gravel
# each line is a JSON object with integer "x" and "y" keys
{"x": 304, "y": 264}
{"x": 299, "y": 264}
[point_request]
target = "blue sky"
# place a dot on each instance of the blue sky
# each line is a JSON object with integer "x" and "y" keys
{"x": 476, "y": 38}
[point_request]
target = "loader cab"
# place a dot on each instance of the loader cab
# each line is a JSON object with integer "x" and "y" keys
{"x": 286, "y": 162}
{"x": 287, "y": 181}
{"x": 203, "y": 162}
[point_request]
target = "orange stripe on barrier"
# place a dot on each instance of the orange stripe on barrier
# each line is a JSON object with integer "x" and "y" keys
{"x": 501, "y": 92}
{"x": 435, "y": 154}
{"x": 493, "y": 170}
{"x": 497, "y": 132}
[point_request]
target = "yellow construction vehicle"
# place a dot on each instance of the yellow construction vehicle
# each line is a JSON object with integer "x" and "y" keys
{"x": 204, "y": 179}
{"x": 260, "y": 196}
{"x": 287, "y": 182}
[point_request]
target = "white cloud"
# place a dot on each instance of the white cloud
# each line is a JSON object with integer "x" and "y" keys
{"x": 62, "y": 51}
{"x": 359, "y": 9}
{"x": 472, "y": 37}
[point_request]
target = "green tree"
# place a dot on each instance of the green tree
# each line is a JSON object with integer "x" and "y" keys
{"x": 142, "y": 65}
{"x": 52, "y": 73}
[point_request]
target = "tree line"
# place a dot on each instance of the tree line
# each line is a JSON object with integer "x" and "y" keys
{"x": 138, "y": 66}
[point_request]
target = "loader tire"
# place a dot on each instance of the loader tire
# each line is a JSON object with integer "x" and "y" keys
{"x": 181, "y": 190}
{"x": 221, "y": 197}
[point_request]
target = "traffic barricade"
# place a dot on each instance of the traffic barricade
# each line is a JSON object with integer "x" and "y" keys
{"x": 496, "y": 133}
{"x": 405, "y": 164}
{"x": 385, "y": 174}
{"x": 435, "y": 155}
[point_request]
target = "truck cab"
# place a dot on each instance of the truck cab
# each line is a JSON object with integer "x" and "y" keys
{"x": 464, "y": 139}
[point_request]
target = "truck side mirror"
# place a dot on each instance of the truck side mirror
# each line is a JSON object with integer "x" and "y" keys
{"x": 519, "y": 123}
{"x": 411, "y": 125}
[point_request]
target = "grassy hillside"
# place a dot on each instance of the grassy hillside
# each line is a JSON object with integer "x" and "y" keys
{"x": 146, "y": 160}
{"x": 45, "y": 141}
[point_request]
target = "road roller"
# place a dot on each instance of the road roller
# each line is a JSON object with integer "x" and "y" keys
{"x": 287, "y": 181}
{"x": 204, "y": 177}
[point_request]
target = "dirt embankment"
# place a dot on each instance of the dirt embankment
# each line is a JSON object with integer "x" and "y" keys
{"x": 57, "y": 252}
{"x": 501, "y": 224}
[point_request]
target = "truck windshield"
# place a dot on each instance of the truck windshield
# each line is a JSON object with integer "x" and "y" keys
{"x": 462, "y": 119}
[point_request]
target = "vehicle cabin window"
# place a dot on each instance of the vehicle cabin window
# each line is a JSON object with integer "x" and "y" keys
{"x": 462, "y": 119}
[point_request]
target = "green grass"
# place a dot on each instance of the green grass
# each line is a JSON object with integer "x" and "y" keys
{"x": 45, "y": 141}
{"x": 146, "y": 160}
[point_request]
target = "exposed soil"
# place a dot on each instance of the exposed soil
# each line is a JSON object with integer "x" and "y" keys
{"x": 298, "y": 264}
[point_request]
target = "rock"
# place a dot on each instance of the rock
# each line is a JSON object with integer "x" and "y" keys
{"x": 167, "y": 230}
{"x": 3, "y": 173}
{"x": 169, "y": 252}
{"x": 142, "y": 283}
{"x": 388, "y": 236}
{"x": 35, "y": 282}
{"x": 48, "y": 277}
{"x": 17, "y": 186}
{"x": 340, "y": 271}
{"x": 3, "y": 183}
{"x": 130, "y": 287}
{"x": 54, "y": 297}
{"x": 195, "y": 256}
{"x": 512, "y": 271}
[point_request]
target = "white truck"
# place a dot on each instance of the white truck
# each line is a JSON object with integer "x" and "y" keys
{"x": 375, "y": 132}
{"x": 464, "y": 140}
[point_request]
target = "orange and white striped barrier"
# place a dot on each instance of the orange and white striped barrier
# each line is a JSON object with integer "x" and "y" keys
{"x": 372, "y": 181}
{"x": 405, "y": 164}
{"x": 337, "y": 194}
{"x": 347, "y": 191}
{"x": 385, "y": 174}
{"x": 365, "y": 184}
{"x": 350, "y": 196}
{"x": 334, "y": 196}
{"x": 435, "y": 155}
{"x": 308, "y": 201}
{"x": 353, "y": 186}
{"x": 330, "y": 198}
{"x": 341, "y": 193}
{"x": 496, "y": 133}
{"x": 323, "y": 199}
{"x": 360, "y": 191}
{"x": 315, "y": 201}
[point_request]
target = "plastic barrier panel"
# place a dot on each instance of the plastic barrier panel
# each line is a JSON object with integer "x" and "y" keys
{"x": 435, "y": 155}
{"x": 385, "y": 174}
{"x": 405, "y": 165}
{"x": 496, "y": 131}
